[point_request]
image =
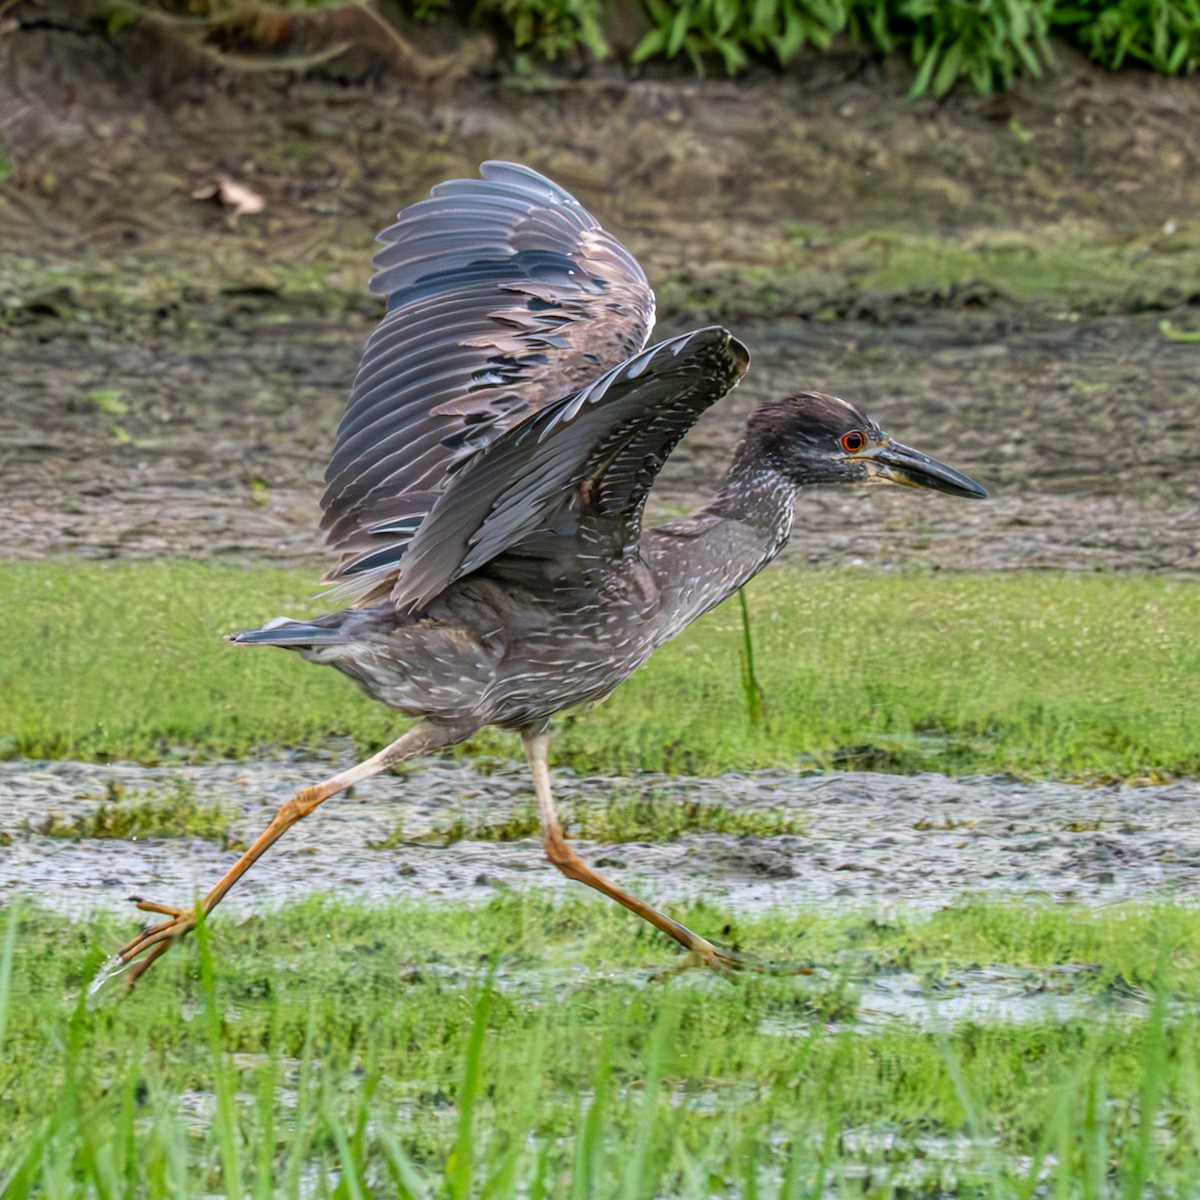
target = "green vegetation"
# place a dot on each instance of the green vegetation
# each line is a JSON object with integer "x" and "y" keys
{"x": 793, "y": 270}
{"x": 830, "y": 276}
{"x": 424, "y": 1052}
{"x": 552, "y": 28}
{"x": 737, "y": 29}
{"x": 983, "y": 43}
{"x": 1162, "y": 34}
{"x": 1173, "y": 333}
{"x": 1039, "y": 674}
{"x": 120, "y": 816}
{"x": 626, "y": 816}
{"x": 752, "y": 691}
{"x": 987, "y": 43}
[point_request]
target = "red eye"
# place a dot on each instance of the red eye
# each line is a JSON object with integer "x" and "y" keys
{"x": 853, "y": 441}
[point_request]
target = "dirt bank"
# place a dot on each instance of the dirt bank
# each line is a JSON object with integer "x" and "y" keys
{"x": 988, "y": 276}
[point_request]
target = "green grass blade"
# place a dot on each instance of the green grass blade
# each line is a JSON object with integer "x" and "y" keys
{"x": 639, "y": 1177}
{"x": 12, "y": 918}
{"x": 460, "y": 1168}
{"x": 225, "y": 1126}
{"x": 408, "y": 1183}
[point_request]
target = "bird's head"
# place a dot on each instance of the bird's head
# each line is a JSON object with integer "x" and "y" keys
{"x": 812, "y": 438}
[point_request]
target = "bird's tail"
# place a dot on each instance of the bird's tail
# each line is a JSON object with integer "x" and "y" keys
{"x": 295, "y": 635}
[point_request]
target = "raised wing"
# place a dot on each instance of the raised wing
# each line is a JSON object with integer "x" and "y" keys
{"x": 569, "y": 483}
{"x": 504, "y": 295}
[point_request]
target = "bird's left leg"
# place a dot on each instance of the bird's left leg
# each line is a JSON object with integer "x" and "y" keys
{"x": 558, "y": 850}
{"x": 133, "y": 959}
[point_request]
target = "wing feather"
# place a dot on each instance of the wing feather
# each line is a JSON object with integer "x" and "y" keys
{"x": 504, "y": 295}
{"x": 591, "y": 456}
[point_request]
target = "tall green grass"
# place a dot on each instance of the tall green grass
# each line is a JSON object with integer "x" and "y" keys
{"x": 1042, "y": 674}
{"x": 417, "y": 1052}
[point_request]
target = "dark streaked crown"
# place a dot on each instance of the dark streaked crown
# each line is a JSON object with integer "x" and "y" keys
{"x": 811, "y": 417}
{"x": 800, "y": 436}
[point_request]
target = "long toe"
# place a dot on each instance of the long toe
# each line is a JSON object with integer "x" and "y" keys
{"x": 165, "y": 910}
{"x": 704, "y": 956}
{"x": 167, "y": 931}
{"x": 731, "y": 964}
{"x": 132, "y": 961}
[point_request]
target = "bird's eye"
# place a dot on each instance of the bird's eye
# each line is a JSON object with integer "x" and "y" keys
{"x": 853, "y": 441}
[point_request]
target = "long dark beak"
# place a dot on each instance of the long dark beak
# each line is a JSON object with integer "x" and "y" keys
{"x": 904, "y": 465}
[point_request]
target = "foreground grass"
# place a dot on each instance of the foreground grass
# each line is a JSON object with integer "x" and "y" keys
{"x": 1040, "y": 674}
{"x": 522, "y": 1048}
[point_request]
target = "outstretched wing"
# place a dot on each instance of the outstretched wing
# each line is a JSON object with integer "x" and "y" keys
{"x": 569, "y": 483}
{"x": 504, "y": 295}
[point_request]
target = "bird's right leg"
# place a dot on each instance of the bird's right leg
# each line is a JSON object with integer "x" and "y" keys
{"x": 561, "y": 854}
{"x": 133, "y": 959}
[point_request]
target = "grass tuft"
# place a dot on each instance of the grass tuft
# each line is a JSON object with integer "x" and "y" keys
{"x": 179, "y": 814}
{"x": 624, "y": 817}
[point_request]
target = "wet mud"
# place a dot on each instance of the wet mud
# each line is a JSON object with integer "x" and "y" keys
{"x": 870, "y": 841}
{"x": 172, "y": 375}
{"x": 1080, "y": 429}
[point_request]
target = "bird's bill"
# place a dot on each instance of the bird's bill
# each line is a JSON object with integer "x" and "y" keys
{"x": 910, "y": 468}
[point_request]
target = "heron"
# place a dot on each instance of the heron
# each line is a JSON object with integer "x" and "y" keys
{"x": 486, "y": 494}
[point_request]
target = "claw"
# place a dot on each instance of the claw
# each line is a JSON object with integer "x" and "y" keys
{"x": 132, "y": 961}
{"x": 165, "y": 909}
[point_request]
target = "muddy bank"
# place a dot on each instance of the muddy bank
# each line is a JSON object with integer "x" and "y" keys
{"x": 213, "y": 441}
{"x": 868, "y": 840}
{"x": 110, "y": 137}
{"x": 987, "y": 276}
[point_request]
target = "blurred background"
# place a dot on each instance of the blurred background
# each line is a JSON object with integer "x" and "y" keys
{"x": 980, "y": 221}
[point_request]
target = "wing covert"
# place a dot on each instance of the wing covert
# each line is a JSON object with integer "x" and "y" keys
{"x": 571, "y": 479}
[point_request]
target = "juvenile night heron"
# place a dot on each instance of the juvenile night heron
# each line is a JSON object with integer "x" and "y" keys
{"x": 487, "y": 486}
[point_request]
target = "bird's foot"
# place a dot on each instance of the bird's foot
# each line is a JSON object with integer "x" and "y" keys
{"x": 724, "y": 962}
{"x": 704, "y": 955}
{"x": 131, "y": 962}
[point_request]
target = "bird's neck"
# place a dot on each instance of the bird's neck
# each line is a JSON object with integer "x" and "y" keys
{"x": 700, "y": 560}
{"x": 757, "y": 495}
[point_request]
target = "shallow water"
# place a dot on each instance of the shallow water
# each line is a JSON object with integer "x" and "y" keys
{"x": 870, "y": 840}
